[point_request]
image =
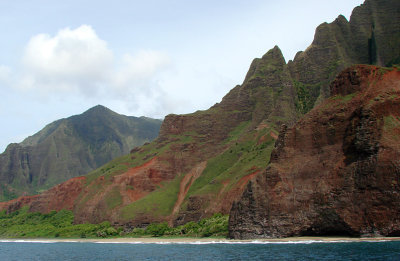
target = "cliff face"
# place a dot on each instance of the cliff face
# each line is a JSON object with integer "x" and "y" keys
{"x": 336, "y": 171}
{"x": 70, "y": 147}
{"x": 370, "y": 37}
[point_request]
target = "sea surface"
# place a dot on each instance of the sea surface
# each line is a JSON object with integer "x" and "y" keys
{"x": 311, "y": 250}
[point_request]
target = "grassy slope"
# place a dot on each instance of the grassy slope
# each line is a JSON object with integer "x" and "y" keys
{"x": 244, "y": 156}
{"x": 247, "y": 151}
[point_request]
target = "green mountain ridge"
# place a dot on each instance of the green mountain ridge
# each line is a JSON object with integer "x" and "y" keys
{"x": 70, "y": 147}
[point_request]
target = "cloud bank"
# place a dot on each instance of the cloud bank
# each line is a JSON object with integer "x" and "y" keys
{"x": 78, "y": 62}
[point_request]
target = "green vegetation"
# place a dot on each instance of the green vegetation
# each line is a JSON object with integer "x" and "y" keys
{"x": 394, "y": 62}
{"x": 247, "y": 155}
{"x": 216, "y": 226}
{"x": 391, "y": 122}
{"x": 234, "y": 135}
{"x": 114, "y": 198}
{"x": 110, "y": 169}
{"x": 383, "y": 70}
{"x": 346, "y": 98}
{"x": 306, "y": 96}
{"x": 160, "y": 202}
{"x": 6, "y": 193}
{"x": 24, "y": 224}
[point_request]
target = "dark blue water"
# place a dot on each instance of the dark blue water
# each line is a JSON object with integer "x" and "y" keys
{"x": 105, "y": 251}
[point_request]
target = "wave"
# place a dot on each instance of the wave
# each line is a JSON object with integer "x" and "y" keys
{"x": 27, "y": 241}
{"x": 259, "y": 242}
{"x": 237, "y": 242}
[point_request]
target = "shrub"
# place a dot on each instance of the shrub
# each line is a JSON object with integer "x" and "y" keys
{"x": 111, "y": 231}
{"x": 190, "y": 228}
{"x": 101, "y": 233}
{"x": 157, "y": 230}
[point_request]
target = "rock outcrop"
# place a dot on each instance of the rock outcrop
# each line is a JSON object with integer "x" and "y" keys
{"x": 370, "y": 37}
{"x": 337, "y": 170}
{"x": 70, "y": 147}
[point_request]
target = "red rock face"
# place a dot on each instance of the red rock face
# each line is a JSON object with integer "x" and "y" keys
{"x": 57, "y": 198}
{"x": 131, "y": 185}
{"x": 337, "y": 171}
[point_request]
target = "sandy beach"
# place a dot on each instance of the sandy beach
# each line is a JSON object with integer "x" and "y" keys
{"x": 184, "y": 240}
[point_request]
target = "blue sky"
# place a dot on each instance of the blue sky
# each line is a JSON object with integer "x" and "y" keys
{"x": 139, "y": 58}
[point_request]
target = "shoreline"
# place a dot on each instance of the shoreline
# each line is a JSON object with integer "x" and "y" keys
{"x": 192, "y": 240}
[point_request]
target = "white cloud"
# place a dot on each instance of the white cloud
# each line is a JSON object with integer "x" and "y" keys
{"x": 138, "y": 74}
{"x": 72, "y": 59}
{"x": 140, "y": 66}
{"x": 77, "y": 61}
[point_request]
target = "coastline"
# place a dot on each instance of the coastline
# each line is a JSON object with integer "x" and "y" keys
{"x": 183, "y": 240}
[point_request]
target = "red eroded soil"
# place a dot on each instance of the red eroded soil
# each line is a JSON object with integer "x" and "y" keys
{"x": 57, "y": 198}
{"x": 185, "y": 184}
{"x": 225, "y": 198}
{"x": 132, "y": 185}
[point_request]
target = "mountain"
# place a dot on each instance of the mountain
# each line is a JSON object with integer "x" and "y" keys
{"x": 201, "y": 162}
{"x": 70, "y": 147}
{"x": 336, "y": 171}
{"x": 371, "y": 37}
{"x": 197, "y": 166}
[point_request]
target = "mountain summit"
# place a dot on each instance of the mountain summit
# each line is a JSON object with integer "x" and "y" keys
{"x": 70, "y": 147}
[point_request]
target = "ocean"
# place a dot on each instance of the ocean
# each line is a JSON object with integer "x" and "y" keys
{"x": 311, "y": 250}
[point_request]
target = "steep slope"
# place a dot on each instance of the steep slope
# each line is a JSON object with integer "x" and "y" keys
{"x": 201, "y": 162}
{"x": 371, "y": 37}
{"x": 336, "y": 171}
{"x": 70, "y": 147}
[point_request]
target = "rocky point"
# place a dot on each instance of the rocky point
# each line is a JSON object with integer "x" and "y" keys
{"x": 337, "y": 170}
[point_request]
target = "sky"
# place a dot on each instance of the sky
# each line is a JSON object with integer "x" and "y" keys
{"x": 138, "y": 58}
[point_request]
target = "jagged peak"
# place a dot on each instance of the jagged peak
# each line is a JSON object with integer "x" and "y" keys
{"x": 275, "y": 49}
{"x": 275, "y": 54}
{"x": 341, "y": 19}
{"x": 273, "y": 58}
{"x": 321, "y": 34}
{"x": 252, "y": 69}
